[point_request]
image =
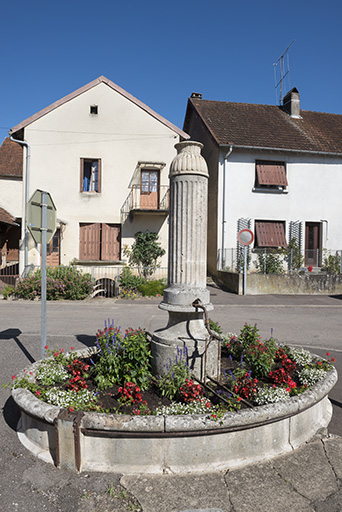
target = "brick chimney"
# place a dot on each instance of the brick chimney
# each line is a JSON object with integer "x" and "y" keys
{"x": 196, "y": 95}
{"x": 291, "y": 103}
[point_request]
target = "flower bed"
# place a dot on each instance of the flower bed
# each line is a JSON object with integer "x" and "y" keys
{"x": 268, "y": 400}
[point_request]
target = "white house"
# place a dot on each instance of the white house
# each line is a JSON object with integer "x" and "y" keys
{"x": 103, "y": 156}
{"x": 276, "y": 170}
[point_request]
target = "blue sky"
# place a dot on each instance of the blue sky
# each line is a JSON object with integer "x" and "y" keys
{"x": 161, "y": 52}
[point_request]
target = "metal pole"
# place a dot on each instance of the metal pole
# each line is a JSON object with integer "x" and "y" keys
{"x": 43, "y": 270}
{"x": 245, "y": 272}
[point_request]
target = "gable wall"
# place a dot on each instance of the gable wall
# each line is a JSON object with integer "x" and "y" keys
{"x": 121, "y": 134}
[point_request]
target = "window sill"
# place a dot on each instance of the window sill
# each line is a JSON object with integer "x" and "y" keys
{"x": 102, "y": 263}
{"x": 90, "y": 193}
{"x": 260, "y": 190}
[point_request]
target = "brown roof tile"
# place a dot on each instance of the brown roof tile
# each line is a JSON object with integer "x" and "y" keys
{"x": 6, "y": 217}
{"x": 11, "y": 159}
{"x": 268, "y": 126}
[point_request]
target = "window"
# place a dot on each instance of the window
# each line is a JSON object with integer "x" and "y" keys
{"x": 90, "y": 175}
{"x": 270, "y": 234}
{"x": 270, "y": 175}
{"x": 53, "y": 250}
{"x": 93, "y": 109}
{"x": 100, "y": 242}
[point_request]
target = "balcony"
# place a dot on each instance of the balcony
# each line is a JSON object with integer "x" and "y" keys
{"x": 151, "y": 202}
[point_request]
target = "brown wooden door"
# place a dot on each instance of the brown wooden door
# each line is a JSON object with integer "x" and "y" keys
{"x": 312, "y": 243}
{"x": 149, "y": 190}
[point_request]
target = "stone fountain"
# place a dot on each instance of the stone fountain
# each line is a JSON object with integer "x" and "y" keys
{"x": 186, "y": 297}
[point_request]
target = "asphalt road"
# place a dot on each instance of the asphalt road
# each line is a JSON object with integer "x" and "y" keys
{"x": 28, "y": 484}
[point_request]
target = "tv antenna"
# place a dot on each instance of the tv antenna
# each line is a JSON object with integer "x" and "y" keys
{"x": 284, "y": 72}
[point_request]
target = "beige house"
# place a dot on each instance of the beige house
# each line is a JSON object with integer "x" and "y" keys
{"x": 104, "y": 157}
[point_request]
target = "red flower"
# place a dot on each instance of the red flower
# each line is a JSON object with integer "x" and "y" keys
{"x": 328, "y": 353}
{"x": 46, "y": 347}
{"x": 333, "y": 359}
{"x": 38, "y": 393}
{"x": 13, "y": 377}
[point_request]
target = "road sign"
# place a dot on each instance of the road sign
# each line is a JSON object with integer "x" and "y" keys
{"x": 34, "y": 216}
{"x": 245, "y": 237}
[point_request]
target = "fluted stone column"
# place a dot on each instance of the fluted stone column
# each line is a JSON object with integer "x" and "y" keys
{"x": 187, "y": 271}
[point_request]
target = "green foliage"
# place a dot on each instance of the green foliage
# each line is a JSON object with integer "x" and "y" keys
{"x": 152, "y": 288}
{"x": 214, "y": 326}
{"x": 122, "y": 358}
{"x": 176, "y": 374}
{"x": 145, "y": 251}
{"x": 130, "y": 281}
{"x": 7, "y": 291}
{"x": 269, "y": 262}
{"x": 61, "y": 283}
{"x": 332, "y": 264}
{"x": 294, "y": 258}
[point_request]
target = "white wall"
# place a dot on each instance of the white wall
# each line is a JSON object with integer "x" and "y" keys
{"x": 11, "y": 196}
{"x": 121, "y": 134}
{"x": 313, "y": 194}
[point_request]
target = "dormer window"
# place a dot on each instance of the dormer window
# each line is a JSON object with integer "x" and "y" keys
{"x": 93, "y": 109}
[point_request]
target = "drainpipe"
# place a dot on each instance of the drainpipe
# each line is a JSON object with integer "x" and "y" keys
{"x": 27, "y": 173}
{"x": 224, "y": 219}
{"x": 326, "y": 230}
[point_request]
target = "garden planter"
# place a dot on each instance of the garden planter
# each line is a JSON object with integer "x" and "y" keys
{"x": 156, "y": 444}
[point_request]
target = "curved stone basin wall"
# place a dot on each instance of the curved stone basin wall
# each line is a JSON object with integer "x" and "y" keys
{"x": 157, "y": 444}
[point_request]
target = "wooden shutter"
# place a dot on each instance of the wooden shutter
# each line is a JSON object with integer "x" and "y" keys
{"x": 270, "y": 234}
{"x": 90, "y": 236}
{"x": 111, "y": 242}
{"x": 271, "y": 173}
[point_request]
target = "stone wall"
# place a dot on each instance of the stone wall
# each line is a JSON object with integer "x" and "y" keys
{"x": 296, "y": 284}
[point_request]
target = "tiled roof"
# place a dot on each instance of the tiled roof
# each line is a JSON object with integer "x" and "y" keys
{"x": 11, "y": 159}
{"x": 268, "y": 126}
{"x": 6, "y": 217}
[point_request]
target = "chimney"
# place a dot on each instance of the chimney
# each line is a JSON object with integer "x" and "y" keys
{"x": 291, "y": 103}
{"x": 196, "y": 95}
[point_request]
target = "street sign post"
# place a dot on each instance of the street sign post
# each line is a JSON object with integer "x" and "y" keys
{"x": 245, "y": 238}
{"x": 41, "y": 216}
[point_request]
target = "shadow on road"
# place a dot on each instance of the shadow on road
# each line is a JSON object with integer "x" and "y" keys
{"x": 11, "y": 413}
{"x": 86, "y": 339}
{"x": 13, "y": 334}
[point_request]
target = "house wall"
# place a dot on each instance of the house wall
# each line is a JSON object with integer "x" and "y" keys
{"x": 312, "y": 195}
{"x": 121, "y": 134}
{"x": 11, "y": 196}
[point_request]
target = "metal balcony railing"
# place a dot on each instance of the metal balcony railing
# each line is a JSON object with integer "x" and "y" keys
{"x": 154, "y": 201}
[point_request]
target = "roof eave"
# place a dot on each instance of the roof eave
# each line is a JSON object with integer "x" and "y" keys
{"x": 286, "y": 150}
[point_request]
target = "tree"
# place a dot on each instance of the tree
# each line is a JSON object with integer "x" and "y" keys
{"x": 145, "y": 251}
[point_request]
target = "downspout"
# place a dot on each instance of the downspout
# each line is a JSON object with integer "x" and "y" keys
{"x": 224, "y": 219}
{"x": 27, "y": 173}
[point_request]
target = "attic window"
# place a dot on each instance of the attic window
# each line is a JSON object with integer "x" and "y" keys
{"x": 270, "y": 174}
{"x": 93, "y": 109}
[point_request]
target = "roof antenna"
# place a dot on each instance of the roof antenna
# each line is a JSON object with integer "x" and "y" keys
{"x": 284, "y": 71}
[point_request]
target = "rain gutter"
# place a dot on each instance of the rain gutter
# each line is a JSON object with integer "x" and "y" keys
{"x": 27, "y": 174}
{"x": 261, "y": 148}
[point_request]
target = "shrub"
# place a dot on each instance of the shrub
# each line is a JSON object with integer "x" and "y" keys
{"x": 146, "y": 251}
{"x": 269, "y": 262}
{"x": 61, "y": 283}
{"x": 122, "y": 359}
{"x": 332, "y": 264}
{"x": 152, "y": 288}
{"x": 7, "y": 291}
{"x": 129, "y": 280}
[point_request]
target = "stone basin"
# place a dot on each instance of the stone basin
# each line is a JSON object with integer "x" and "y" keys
{"x": 172, "y": 444}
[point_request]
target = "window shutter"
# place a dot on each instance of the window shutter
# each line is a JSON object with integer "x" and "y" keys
{"x": 90, "y": 241}
{"x": 111, "y": 242}
{"x": 270, "y": 234}
{"x": 271, "y": 173}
